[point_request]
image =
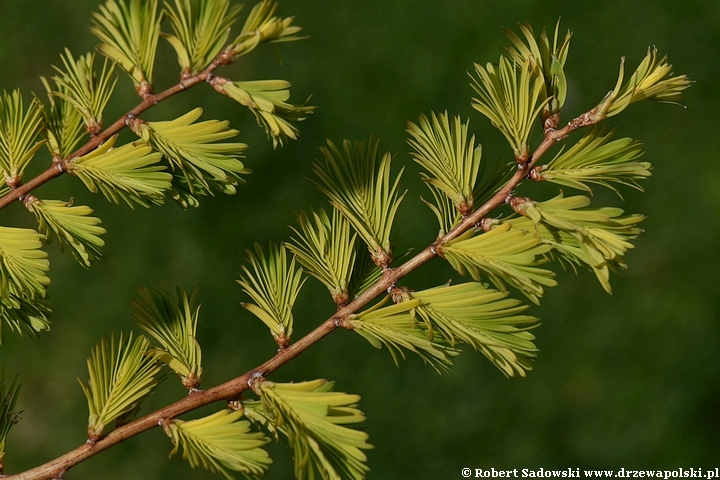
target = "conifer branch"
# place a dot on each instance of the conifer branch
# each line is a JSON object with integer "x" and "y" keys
{"x": 234, "y": 388}
{"x": 59, "y": 167}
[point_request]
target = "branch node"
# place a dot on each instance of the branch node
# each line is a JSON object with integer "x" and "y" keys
{"x": 536, "y": 175}
{"x": 341, "y": 299}
{"x": 191, "y": 382}
{"x": 12, "y": 181}
{"x": 522, "y": 160}
{"x": 164, "y": 423}
{"x": 487, "y": 224}
{"x": 400, "y": 294}
{"x": 236, "y": 405}
{"x": 133, "y": 123}
{"x": 28, "y": 200}
{"x": 62, "y": 163}
{"x": 283, "y": 341}
{"x": 465, "y": 208}
{"x": 519, "y": 204}
{"x": 145, "y": 90}
{"x": 550, "y": 121}
{"x": 382, "y": 259}
{"x": 94, "y": 129}
{"x": 254, "y": 382}
{"x": 588, "y": 118}
{"x": 226, "y": 57}
{"x": 343, "y": 323}
{"x": 217, "y": 82}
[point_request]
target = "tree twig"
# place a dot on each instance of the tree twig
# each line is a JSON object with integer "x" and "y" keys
{"x": 233, "y": 388}
{"x": 149, "y": 101}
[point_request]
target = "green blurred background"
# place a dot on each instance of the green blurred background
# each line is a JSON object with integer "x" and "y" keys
{"x": 629, "y": 380}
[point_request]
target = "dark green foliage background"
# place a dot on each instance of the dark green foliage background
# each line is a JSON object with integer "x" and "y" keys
{"x": 629, "y": 380}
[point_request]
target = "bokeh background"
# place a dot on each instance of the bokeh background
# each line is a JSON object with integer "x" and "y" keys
{"x": 630, "y": 380}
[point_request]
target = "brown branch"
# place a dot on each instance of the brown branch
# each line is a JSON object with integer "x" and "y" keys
{"x": 60, "y": 166}
{"x": 232, "y": 389}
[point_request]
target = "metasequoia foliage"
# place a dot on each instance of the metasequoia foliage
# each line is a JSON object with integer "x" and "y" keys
{"x": 503, "y": 240}
{"x": 181, "y": 158}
